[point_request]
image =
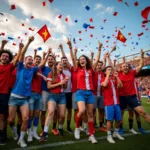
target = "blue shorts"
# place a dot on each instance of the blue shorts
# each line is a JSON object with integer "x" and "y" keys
{"x": 86, "y": 96}
{"x": 57, "y": 98}
{"x": 35, "y": 101}
{"x": 14, "y": 101}
{"x": 113, "y": 112}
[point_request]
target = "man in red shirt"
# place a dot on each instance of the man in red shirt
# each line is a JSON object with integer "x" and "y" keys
{"x": 7, "y": 64}
{"x": 127, "y": 94}
{"x": 109, "y": 84}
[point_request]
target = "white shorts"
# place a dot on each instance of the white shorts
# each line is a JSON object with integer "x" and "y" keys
{"x": 45, "y": 95}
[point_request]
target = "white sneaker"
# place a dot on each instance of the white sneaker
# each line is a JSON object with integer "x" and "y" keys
{"x": 15, "y": 135}
{"x": 81, "y": 129}
{"x": 117, "y": 135}
{"x": 86, "y": 131}
{"x": 30, "y": 138}
{"x": 92, "y": 139}
{"x": 22, "y": 143}
{"x": 77, "y": 133}
{"x": 110, "y": 139}
{"x": 133, "y": 131}
{"x": 35, "y": 135}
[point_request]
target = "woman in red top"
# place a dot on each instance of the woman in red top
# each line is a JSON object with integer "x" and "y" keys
{"x": 57, "y": 82}
{"x": 84, "y": 93}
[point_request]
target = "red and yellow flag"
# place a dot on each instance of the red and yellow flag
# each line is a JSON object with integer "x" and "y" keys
{"x": 44, "y": 33}
{"x": 121, "y": 37}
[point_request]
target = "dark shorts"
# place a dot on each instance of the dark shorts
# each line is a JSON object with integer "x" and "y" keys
{"x": 68, "y": 100}
{"x": 130, "y": 101}
{"x": 4, "y": 98}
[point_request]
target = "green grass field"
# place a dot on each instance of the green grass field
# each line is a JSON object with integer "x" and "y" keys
{"x": 137, "y": 142}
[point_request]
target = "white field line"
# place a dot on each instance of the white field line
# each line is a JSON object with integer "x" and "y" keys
{"x": 67, "y": 143}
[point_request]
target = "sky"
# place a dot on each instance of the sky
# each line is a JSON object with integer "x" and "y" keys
{"x": 128, "y": 20}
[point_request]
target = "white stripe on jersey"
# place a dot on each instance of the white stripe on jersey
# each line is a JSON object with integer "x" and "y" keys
{"x": 61, "y": 78}
{"x": 98, "y": 84}
{"x": 114, "y": 92}
{"x": 87, "y": 80}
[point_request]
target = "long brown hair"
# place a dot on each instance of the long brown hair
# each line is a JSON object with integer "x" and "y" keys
{"x": 54, "y": 71}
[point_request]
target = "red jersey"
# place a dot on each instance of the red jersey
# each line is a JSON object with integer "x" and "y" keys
{"x": 5, "y": 72}
{"x": 85, "y": 79}
{"x": 97, "y": 82}
{"x": 37, "y": 83}
{"x": 58, "y": 89}
{"x": 110, "y": 93}
{"x": 73, "y": 80}
{"x": 128, "y": 83}
{"x": 12, "y": 78}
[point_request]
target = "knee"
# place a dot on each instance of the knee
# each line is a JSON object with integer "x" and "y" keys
{"x": 51, "y": 113}
{"x": 25, "y": 119}
{"x": 36, "y": 114}
{"x": 62, "y": 117}
{"x": 81, "y": 111}
{"x": 10, "y": 120}
{"x": 90, "y": 114}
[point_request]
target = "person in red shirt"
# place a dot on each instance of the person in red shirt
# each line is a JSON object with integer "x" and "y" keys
{"x": 84, "y": 94}
{"x": 127, "y": 94}
{"x": 57, "y": 82}
{"x": 7, "y": 64}
{"x": 109, "y": 84}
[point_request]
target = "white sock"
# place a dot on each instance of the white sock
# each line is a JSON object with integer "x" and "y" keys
{"x": 46, "y": 129}
{"x": 60, "y": 126}
{"x": 29, "y": 131}
{"x": 34, "y": 129}
{"x": 108, "y": 133}
{"x": 85, "y": 125}
{"x": 22, "y": 134}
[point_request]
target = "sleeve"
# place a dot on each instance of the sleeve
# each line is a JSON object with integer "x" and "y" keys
{"x": 49, "y": 77}
{"x": 12, "y": 67}
{"x": 63, "y": 76}
{"x": 20, "y": 66}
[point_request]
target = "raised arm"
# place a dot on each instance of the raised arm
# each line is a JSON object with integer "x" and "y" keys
{"x": 115, "y": 60}
{"x": 91, "y": 58}
{"x": 71, "y": 52}
{"x": 42, "y": 64}
{"x": 21, "y": 58}
{"x": 15, "y": 60}
{"x": 120, "y": 85}
{"x": 98, "y": 55}
{"x": 42, "y": 76}
{"x": 4, "y": 42}
{"x": 35, "y": 52}
{"x": 44, "y": 54}
{"x": 104, "y": 61}
{"x": 105, "y": 82}
{"x": 123, "y": 59}
{"x": 138, "y": 69}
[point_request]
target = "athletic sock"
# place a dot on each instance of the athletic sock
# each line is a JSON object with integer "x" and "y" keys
{"x": 91, "y": 127}
{"x": 139, "y": 124}
{"x": 22, "y": 134}
{"x": 77, "y": 122}
{"x": 130, "y": 123}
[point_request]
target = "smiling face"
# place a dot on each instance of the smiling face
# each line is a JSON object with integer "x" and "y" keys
{"x": 28, "y": 62}
{"x": 82, "y": 61}
{"x": 64, "y": 62}
{"x": 50, "y": 61}
{"x": 4, "y": 59}
{"x": 109, "y": 69}
{"x": 37, "y": 60}
{"x": 59, "y": 67}
{"x": 125, "y": 68}
{"x": 99, "y": 66}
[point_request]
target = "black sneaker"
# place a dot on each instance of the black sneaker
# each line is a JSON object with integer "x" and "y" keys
{"x": 69, "y": 130}
{"x": 61, "y": 132}
{"x": 43, "y": 138}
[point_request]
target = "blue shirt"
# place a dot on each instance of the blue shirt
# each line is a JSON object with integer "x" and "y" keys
{"x": 24, "y": 77}
{"x": 45, "y": 71}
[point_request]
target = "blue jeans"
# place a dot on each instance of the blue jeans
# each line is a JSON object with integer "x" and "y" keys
{"x": 35, "y": 101}
{"x": 57, "y": 98}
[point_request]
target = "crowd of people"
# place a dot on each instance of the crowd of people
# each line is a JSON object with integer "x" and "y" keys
{"x": 29, "y": 89}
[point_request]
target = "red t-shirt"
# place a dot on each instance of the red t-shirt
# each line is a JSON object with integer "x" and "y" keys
{"x": 85, "y": 79}
{"x": 110, "y": 92}
{"x": 12, "y": 78}
{"x": 97, "y": 82}
{"x": 73, "y": 79}
{"x": 58, "y": 89}
{"x": 5, "y": 72}
{"x": 37, "y": 83}
{"x": 128, "y": 83}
